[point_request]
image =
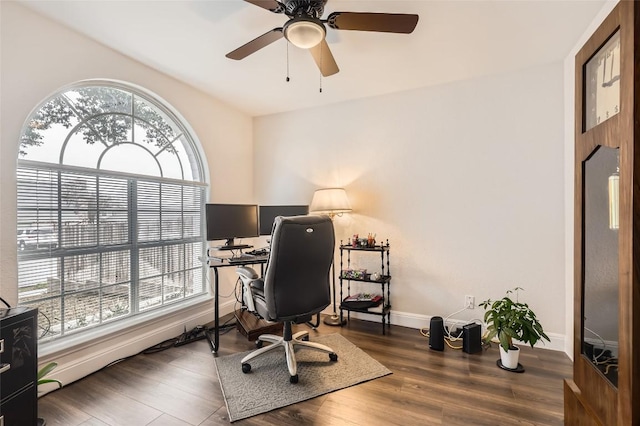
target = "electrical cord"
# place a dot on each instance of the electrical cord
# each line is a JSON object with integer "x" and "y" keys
{"x": 186, "y": 337}
{"x": 212, "y": 290}
{"x": 47, "y": 328}
{"x": 446, "y": 330}
{"x": 486, "y": 344}
{"x": 145, "y": 351}
{"x": 450, "y": 345}
{"x": 612, "y": 365}
{"x": 169, "y": 343}
{"x": 238, "y": 291}
{"x": 447, "y": 340}
{"x": 227, "y": 326}
{"x": 6, "y": 303}
{"x": 425, "y": 331}
{"x": 604, "y": 345}
{"x": 448, "y": 337}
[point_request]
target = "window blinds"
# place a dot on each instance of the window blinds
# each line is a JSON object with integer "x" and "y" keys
{"x": 97, "y": 246}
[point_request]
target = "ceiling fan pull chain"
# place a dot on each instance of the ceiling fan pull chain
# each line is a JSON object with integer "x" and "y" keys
{"x": 321, "y": 49}
{"x": 287, "y": 61}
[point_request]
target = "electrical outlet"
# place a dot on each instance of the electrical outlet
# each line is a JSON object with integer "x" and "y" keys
{"x": 469, "y": 302}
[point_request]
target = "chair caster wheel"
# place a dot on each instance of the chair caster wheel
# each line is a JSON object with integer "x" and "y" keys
{"x": 259, "y": 344}
{"x": 293, "y": 379}
{"x": 246, "y": 368}
{"x": 333, "y": 356}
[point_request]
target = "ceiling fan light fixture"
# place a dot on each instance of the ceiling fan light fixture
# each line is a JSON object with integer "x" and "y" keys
{"x": 304, "y": 33}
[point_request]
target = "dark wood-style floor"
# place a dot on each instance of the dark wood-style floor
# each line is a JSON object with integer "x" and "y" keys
{"x": 179, "y": 386}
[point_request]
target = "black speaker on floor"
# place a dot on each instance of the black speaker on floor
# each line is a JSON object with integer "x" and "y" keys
{"x": 436, "y": 334}
{"x": 471, "y": 338}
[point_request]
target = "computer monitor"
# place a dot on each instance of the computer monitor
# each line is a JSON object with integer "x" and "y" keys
{"x": 229, "y": 221}
{"x": 269, "y": 213}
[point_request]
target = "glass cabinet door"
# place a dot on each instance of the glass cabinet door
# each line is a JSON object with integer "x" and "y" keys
{"x": 600, "y": 276}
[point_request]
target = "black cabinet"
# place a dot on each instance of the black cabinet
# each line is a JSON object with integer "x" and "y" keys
{"x": 18, "y": 367}
{"x": 381, "y": 280}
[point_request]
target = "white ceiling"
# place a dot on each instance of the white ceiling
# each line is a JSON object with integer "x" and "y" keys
{"x": 454, "y": 40}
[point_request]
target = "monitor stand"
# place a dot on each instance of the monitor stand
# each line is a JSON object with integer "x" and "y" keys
{"x": 229, "y": 245}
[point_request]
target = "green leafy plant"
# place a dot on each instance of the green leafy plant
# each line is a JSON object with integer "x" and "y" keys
{"x": 41, "y": 381}
{"x": 511, "y": 320}
{"x": 46, "y": 370}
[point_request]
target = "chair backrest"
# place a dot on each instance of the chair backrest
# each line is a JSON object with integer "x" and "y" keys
{"x": 296, "y": 282}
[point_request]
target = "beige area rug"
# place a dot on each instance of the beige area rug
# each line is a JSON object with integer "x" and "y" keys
{"x": 266, "y": 387}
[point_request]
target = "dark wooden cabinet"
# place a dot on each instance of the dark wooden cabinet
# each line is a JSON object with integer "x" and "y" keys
{"x": 18, "y": 366}
{"x": 605, "y": 387}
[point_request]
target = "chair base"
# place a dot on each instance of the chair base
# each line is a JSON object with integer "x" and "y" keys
{"x": 289, "y": 342}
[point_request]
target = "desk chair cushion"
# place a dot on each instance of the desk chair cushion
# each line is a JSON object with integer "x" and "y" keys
{"x": 259, "y": 302}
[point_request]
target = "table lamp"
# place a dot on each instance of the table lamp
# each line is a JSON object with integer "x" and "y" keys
{"x": 333, "y": 202}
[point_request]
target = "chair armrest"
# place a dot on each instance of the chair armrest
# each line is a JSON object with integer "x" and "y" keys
{"x": 247, "y": 273}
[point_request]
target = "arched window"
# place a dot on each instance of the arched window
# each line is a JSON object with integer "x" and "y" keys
{"x": 110, "y": 199}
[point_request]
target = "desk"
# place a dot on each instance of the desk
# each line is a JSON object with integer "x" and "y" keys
{"x": 215, "y": 264}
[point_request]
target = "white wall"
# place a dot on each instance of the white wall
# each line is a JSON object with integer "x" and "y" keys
{"x": 465, "y": 180}
{"x": 38, "y": 58}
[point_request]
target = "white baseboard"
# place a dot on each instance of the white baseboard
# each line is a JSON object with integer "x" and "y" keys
{"x": 82, "y": 360}
{"x": 417, "y": 321}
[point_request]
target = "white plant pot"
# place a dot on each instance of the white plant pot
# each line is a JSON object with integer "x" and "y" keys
{"x": 510, "y": 358}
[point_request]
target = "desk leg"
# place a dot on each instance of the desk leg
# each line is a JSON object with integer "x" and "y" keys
{"x": 216, "y": 320}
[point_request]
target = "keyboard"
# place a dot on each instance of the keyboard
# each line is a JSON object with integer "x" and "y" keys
{"x": 259, "y": 252}
{"x": 246, "y": 258}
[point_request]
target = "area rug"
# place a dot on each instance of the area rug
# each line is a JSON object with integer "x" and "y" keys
{"x": 266, "y": 387}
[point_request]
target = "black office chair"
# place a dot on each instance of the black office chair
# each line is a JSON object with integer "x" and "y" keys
{"x": 295, "y": 286}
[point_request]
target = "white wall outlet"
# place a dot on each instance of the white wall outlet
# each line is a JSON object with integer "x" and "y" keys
{"x": 469, "y": 302}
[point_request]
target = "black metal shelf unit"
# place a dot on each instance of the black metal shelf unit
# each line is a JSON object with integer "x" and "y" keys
{"x": 383, "y": 309}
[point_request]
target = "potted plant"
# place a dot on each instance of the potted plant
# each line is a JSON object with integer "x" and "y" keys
{"x": 509, "y": 320}
{"x": 41, "y": 381}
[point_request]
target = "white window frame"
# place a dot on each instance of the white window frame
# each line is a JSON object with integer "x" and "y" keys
{"x": 189, "y": 245}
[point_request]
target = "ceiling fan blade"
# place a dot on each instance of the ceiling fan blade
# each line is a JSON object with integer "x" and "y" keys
{"x": 324, "y": 59}
{"x": 382, "y": 22}
{"x": 256, "y": 44}
{"x": 270, "y": 5}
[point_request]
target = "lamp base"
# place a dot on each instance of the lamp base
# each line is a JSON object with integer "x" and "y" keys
{"x": 334, "y": 320}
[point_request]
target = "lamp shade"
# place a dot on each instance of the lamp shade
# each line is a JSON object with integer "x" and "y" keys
{"x": 330, "y": 200}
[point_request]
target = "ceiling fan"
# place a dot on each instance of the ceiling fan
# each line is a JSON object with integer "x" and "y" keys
{"x": 306, "y": 29}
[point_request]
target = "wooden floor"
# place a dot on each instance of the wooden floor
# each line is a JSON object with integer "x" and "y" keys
{"x": 179, "y": 386}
